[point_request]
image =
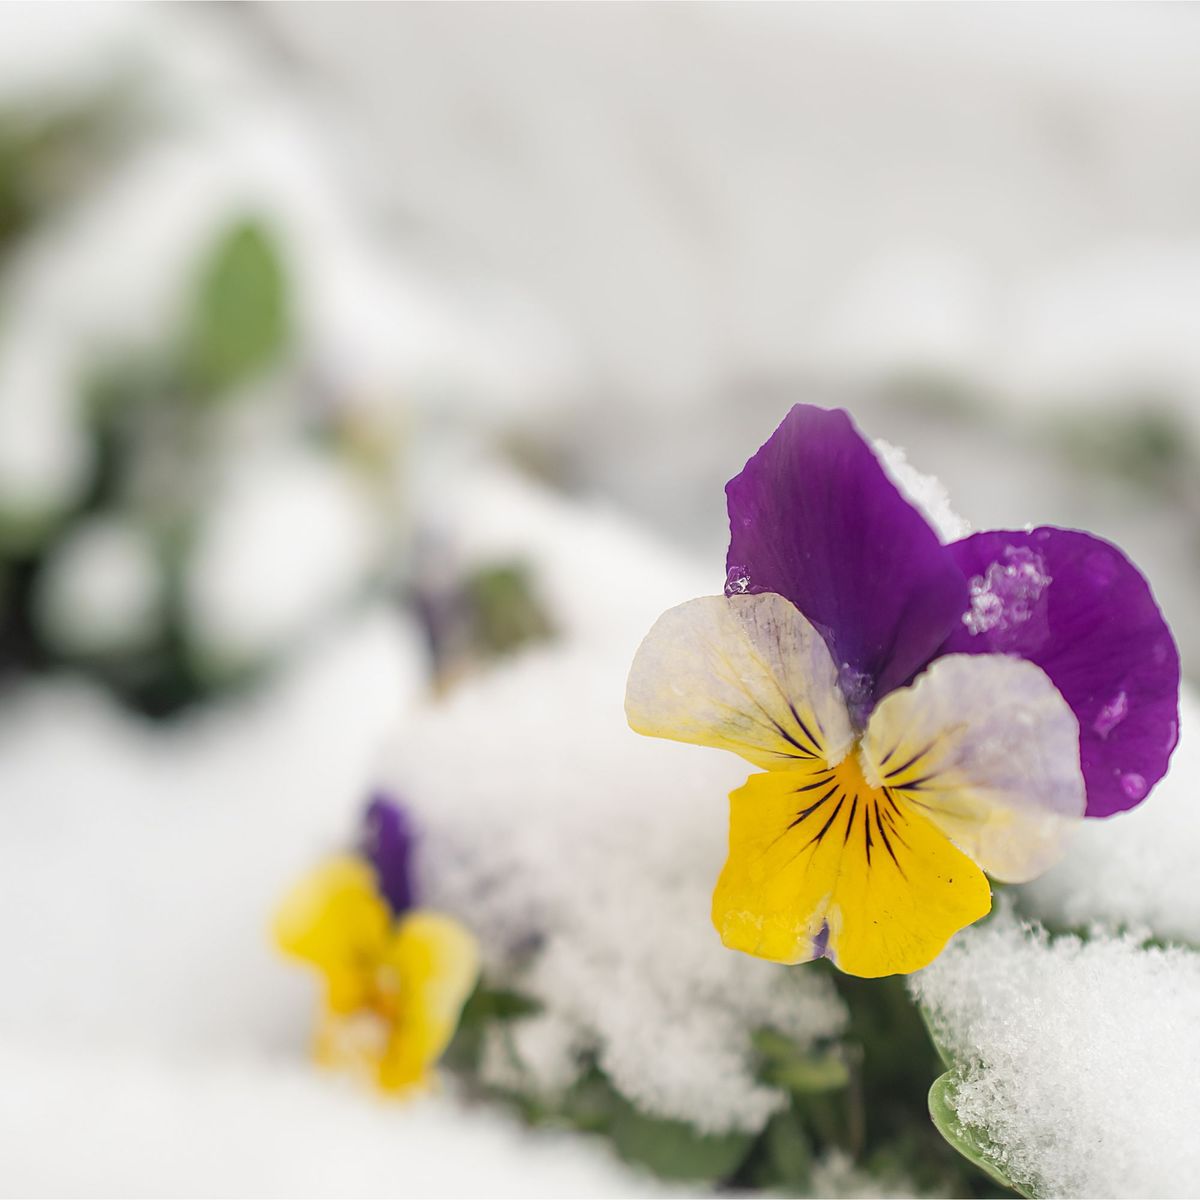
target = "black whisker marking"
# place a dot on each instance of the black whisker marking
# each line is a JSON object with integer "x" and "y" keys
{"x": 916, "y": 758}
{"x": 887, "y": 816}
{"x": 783, "y": 733}
{"x": 915, "y": 785}
{"x": 803, "y": 813}
{"x": 816, "y": 745}
{"x": 825, "y": 828}
{"x": 887, "y": 843}
{"x": 850, "y": 821}
{"x": 812, "y": 787}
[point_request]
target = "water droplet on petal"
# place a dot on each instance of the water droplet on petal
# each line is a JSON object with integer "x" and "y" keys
{"x": 1133, "y": 785}
{"x": 1111, "y": 715}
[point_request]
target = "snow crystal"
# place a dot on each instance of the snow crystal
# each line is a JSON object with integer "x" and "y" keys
{"x": 1079, "y": 1058}
{"x": 926, "y": 492}
{"x": 1006, "y": 595}
{"x": 1137, "y": 869}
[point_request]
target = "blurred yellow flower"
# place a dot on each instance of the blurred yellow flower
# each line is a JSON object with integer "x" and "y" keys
{"x": 394, "y": 987}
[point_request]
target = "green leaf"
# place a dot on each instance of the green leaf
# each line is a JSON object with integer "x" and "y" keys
{"x": 505, "y": 608}
{"x": 592, "y": 1103}
{"x": 788, "y": 1151}
{"x": 239, "y": 319}
{"x": 943, "y": 1051}
{"x": 965, "y": 1140}
{"x": 674, "y": 1149}
{"x": 786, "y": 1065}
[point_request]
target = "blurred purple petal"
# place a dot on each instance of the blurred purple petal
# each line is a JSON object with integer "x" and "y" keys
{"x": 814, "y": 517}
{"x": 387, "y": 843}
{"x": 1078, "y": 608}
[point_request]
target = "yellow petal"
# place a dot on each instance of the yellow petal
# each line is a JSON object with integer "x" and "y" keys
{"x": 986, "y": 747}
{"x": 819, "y": 861}
{"x": 335, "y": 919}
{"x": 435, "y": 961}
{"x": 742, "y": 673}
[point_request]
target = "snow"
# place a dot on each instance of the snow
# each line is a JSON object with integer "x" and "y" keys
{"x": 926, "y": 492}
{"x": 102, "y": 590}
{"x": 289, "y": 536}
{"x": 1079, "y": 1058}
{"x": 146, "y": 861}
{"x": 260, "y": 1125}
{"x": 151, "y": 1041}
{"x": 45, "y": 456}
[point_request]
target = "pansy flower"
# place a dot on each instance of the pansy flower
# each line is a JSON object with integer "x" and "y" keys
{"x": 923, "y": 713}
{"x": 396, "y": 976}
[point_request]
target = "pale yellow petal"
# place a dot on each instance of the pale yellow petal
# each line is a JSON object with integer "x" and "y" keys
{"x": 436, "y": 964}
{"x": 985, "y": 747}
{"x": 335, "y": 919}
{"x": 826, "y": 864}
{"x": 742, "y": 673}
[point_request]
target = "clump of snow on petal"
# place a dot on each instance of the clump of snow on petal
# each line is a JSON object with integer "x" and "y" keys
{"x": 1078, "y": 1058}
{"x": 1137, "y": 869}
{"x": 926, "y": 492}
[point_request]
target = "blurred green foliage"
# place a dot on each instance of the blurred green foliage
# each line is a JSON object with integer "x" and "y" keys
{"x": 150, "y": 423}
{"x": 477, "y": 616}
{"x": 1144, "y": 441}
{"x": 50, "y": 152}
{"x": 239, "y": 321}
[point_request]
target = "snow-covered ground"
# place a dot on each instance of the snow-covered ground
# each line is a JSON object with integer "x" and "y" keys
{"x": 608, "y": 230}
{"x": 151, "y": 1040}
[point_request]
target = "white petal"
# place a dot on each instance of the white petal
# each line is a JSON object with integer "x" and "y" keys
{"x": 988, "y": 749}
{"x": 743, "y": 673}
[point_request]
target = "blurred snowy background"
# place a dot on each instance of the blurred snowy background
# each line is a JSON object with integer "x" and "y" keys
{"x": 345, "y": 349}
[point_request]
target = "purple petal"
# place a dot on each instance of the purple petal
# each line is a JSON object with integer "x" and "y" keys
{"x": 1078, "y": 608}
{"x": 387, "y": 843}
{"x": 814, "y": 517}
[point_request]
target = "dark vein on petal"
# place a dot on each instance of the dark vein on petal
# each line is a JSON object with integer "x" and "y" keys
{"x": 812, "y": 787}
{"x": 887, "y": 844}
{"x": 803, "y": 813}
{"x": 816, "y": 745}
{"x": 825, "y": 828}
{"x": 850, "y": 822}
{"x": 916, "y": 758}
